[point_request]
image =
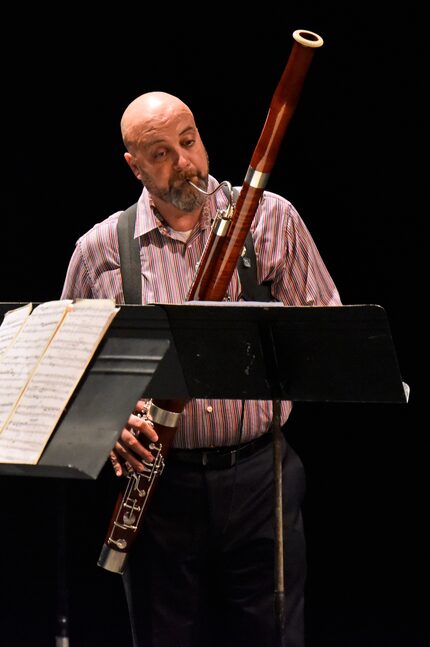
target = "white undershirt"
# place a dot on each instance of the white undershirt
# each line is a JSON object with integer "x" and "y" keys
{"x": 182, "y": 235}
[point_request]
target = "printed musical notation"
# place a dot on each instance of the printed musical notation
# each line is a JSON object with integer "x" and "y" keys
{"x": 43, "y": 354}
{"x": 12, "y": 325}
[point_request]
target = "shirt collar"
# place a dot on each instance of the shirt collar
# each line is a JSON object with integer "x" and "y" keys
{"x": 147, "y": 219}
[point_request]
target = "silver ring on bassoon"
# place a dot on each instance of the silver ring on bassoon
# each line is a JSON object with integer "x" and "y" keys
{"x": 163, "y": 417}
{"x": 256, "y": 179}
{"x": 112, "y": 560}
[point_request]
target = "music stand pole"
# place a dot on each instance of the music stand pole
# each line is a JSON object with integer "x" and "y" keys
{"x": 62, "y": 618}
{"x": 279, "y": 535}
{"x": 268, "y": 346}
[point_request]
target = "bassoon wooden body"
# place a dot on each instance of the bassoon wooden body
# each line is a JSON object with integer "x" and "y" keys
{"x": 215, "y": 270}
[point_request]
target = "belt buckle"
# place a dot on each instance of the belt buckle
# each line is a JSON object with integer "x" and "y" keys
{"x": 233, "y": 457}
{"x": 222, "y": 458}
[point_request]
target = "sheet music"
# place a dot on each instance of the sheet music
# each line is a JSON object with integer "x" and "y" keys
{"x": 55, "y": 379}
{"x": 12, "y": 324}
{"x": 21, "y": 358}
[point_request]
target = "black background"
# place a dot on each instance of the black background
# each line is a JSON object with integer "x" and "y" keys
{"x": 351, "y": 163}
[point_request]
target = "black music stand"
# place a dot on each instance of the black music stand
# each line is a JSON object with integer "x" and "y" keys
{"x": 261, "y": 351}
{"x": 121, "y": 369}
{"x": 219, "y": 350}
{"x": 326, "y": 354}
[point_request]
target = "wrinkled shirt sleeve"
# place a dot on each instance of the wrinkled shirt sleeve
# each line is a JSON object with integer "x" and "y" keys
{"x": 289, "y": 258}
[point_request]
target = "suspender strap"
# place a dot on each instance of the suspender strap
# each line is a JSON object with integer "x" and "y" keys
{"x": 129, "y": 251}
{"x": 247, "y": 268}
{"x": 129, "y": 254}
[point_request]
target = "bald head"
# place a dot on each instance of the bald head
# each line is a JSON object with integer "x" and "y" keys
{"x": 149, "y": 113}
{"x": 165, "y": 152}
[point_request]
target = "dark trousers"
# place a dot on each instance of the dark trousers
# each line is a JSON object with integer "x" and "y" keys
{"x": 201, "y": 572}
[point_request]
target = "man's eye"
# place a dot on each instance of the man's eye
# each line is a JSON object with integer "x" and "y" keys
{"x": 189, "y": 143}
{"x": 159, "y": 155}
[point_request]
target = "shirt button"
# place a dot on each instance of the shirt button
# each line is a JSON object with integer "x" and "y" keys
{"x": 209, "y": 409}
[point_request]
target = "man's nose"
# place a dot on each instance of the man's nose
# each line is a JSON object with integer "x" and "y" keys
{"x": 181, "y": 161}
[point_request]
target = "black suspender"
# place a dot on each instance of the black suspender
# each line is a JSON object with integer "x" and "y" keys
{"x": 129, "y": 252}
{"x": 247, "y": 268}
{"x": 129, "y": 256}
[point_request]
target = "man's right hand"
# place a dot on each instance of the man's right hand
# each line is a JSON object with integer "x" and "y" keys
{"x": 129, "y": 451}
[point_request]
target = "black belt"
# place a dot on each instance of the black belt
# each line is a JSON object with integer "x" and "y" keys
{"x": 218, "y": 457}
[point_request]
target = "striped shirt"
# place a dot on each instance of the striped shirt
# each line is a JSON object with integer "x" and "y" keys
{"x": 286, "y": 256}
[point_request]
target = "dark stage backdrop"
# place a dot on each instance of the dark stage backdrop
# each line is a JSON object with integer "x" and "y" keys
{"x": 350, "y": 162}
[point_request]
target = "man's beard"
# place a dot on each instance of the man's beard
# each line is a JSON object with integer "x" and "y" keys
{"x": 181, "y": 196}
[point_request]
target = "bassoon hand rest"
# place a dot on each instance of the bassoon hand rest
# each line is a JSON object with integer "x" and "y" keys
{"x": 210, "y": 283}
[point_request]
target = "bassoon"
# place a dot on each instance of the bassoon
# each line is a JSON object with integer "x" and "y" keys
{"x": 210, "y": 283}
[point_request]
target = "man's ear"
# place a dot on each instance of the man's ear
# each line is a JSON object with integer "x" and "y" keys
{"x": 132, "y": 164}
